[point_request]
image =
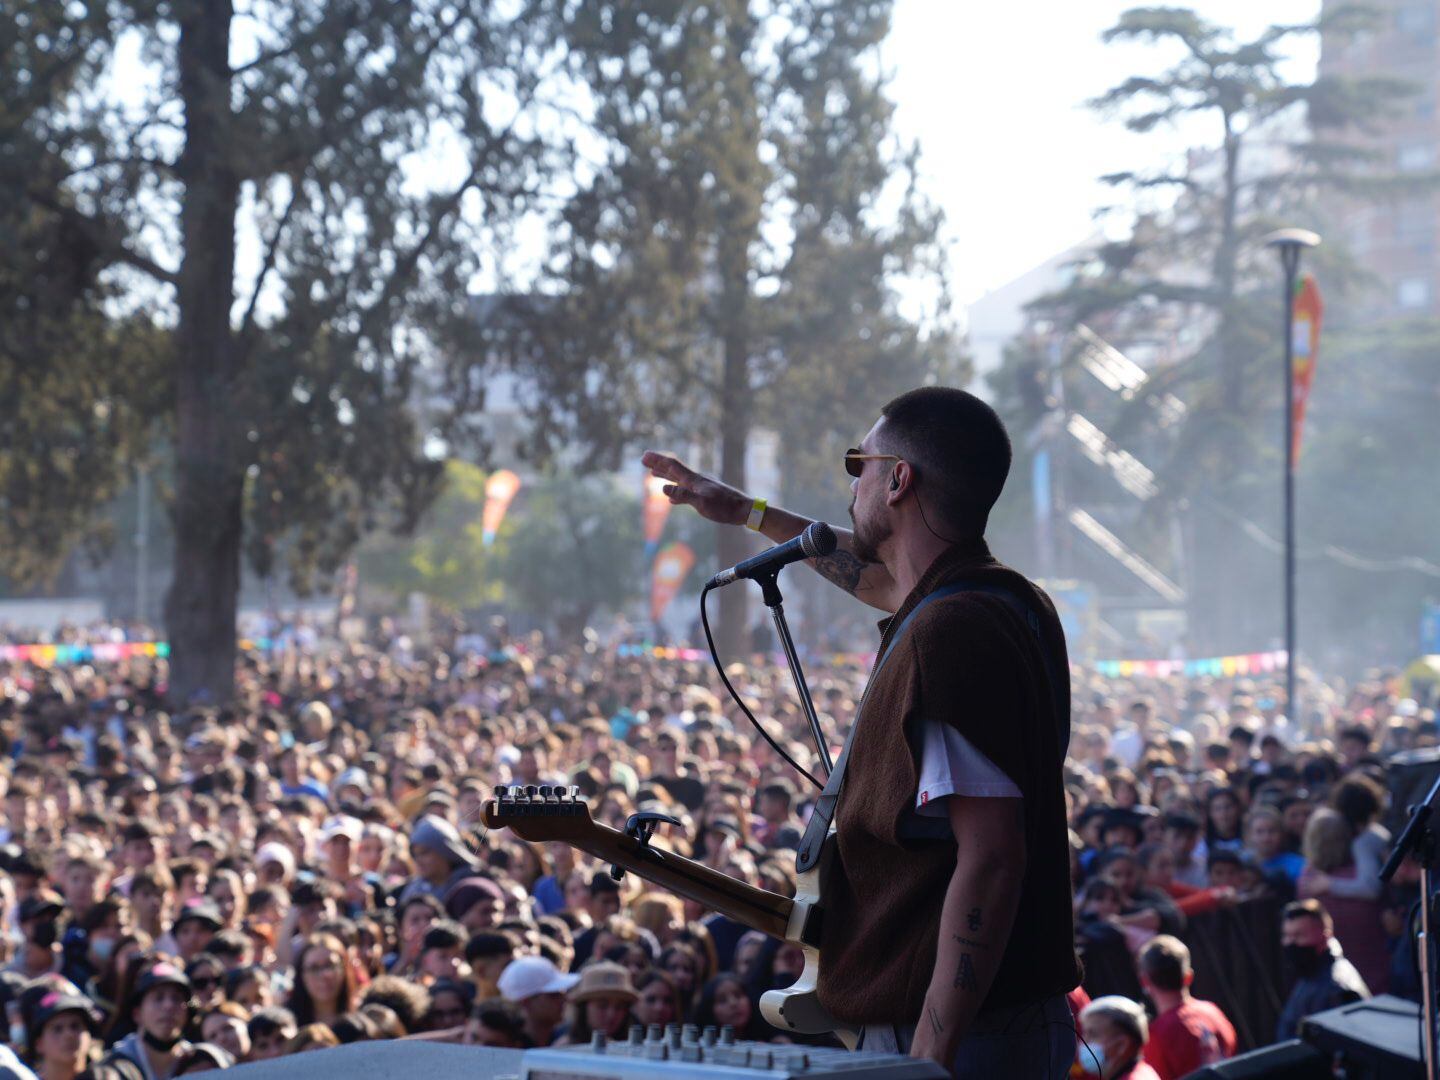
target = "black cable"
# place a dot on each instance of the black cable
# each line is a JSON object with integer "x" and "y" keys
{"x": 715, "y": 657}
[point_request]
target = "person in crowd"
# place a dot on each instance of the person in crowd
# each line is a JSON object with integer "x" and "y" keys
{"x": 537, "y": 988}
{"x": 1187, "y": 1033}
{"x": 1329, "y": 851}
{"x": 227, "y": 1027}
{"x": 1322, "y": 977}
{"x": 724, "y": 1002}
{"x": 159, "y": 1007}
{"x": 325, "y": 987}
{"x": 602, "y": 1001}
{"x": 1223, "y": 817}
{"x": 1265, "y": 843}
{"x": 1113, "y": 1032}
{"x": 61, "y": 1033}
{"x": 659, "y": 1000}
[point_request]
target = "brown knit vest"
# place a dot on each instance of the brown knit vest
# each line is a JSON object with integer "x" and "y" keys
{"x": 969, "y": 660}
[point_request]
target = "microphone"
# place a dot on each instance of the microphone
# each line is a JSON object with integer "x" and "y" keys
{"x": 816, "y": 541}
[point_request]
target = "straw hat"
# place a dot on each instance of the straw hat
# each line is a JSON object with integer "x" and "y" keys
{"x": 604, "y": 980}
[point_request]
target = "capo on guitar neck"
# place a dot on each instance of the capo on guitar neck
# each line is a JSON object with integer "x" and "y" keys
{"x": 640, "y": 828}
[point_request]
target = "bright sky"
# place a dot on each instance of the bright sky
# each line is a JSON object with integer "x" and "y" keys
{"x": 994, "y": 94}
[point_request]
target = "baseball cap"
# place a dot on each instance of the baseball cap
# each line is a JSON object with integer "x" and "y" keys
{"x": 41, "y": 905}
{"x": 531, "y": 975}
{"x": 275, "y": 852}
{"x": 58, "y": 1001}
{"x": 162, "y": 974}
{"x": 342, "y": 825}
{"x": 354, "y": 777}
{"x": 200, "y": 909}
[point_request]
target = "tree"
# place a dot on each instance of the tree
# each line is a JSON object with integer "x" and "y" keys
{"x": 445, "y": 559}
{"x": 297, "y": 131}
{"x": 576, "y": 549}
{"x": 735, "y": 255}
{"x": 1203, "y": 266}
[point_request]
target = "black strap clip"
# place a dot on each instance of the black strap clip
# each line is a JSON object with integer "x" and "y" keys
{"x": 640, "y": 828}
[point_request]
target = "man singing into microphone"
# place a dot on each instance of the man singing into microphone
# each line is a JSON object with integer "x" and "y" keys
{"x": 947, "y": 923}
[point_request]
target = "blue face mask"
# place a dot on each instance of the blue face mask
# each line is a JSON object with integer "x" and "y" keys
{"x": 1091, "y": 1060}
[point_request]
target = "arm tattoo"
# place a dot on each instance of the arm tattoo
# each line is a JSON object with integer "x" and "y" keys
{"x": 935, "y": 1024}
{"x": 970, "y": 942}
{"x": 973, "y": 919}
{"x": 965, "y": 975}
{"x": 843, "y": 568}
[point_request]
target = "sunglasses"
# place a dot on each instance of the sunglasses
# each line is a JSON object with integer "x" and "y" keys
{"x": 855, "y": 459}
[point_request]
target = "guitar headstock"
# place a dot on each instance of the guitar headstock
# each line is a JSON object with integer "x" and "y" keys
{"x": 539, "y": 813}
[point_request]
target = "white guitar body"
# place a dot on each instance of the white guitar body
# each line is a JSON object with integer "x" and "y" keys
{"x": 797, "y": 1007}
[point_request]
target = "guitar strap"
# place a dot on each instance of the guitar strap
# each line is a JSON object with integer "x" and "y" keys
{"x": 818, "y": 828}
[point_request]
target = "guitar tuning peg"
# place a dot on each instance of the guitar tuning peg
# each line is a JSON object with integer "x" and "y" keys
{"x": 545, "y": 792}
{"x": 501, "y": 792}
{"x": 574, "y": 792}
{"x": 531, "y": 791}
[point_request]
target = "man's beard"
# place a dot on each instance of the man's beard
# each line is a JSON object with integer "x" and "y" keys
{"x": 868, "y": 537}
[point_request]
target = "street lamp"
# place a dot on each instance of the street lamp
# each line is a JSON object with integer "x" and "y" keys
{"x": 1289, "y": 243}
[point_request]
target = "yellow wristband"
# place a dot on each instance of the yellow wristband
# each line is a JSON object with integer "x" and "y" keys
{"x": 757, "y": 515}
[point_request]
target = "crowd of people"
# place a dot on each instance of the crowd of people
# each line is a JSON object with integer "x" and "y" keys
{"x": 307, "y": 866}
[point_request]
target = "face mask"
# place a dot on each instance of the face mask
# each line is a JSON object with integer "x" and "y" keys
{"x": 103, "y": 948}
{"x": 1303, "y": 960}
{"x": 1092, "y": 1060}
{"x": 163, "y": 1046}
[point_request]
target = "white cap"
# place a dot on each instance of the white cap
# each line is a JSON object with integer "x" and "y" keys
{"x": 531, "y": 975}
{"x": 342, "y": 825}
{"x": 276, "y": 852}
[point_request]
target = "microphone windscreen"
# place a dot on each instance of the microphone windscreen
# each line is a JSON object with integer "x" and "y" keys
{"x": 818, "y": 540}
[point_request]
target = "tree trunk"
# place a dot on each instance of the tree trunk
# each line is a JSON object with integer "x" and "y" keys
{"x": 731, "y": 543}
{"x": 200, "y": 606}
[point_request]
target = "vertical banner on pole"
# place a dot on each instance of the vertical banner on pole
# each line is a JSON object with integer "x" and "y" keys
{"x": 500, "y": 489}
{"x": 656, "y": 510}
{"x": 1305, "y": 340}
{"x": 672, "y": 566}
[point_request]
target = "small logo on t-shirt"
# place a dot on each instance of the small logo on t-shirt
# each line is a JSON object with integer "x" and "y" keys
{"x": 924, "y": 797}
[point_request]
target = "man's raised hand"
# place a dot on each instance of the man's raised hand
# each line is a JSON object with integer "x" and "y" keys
{"x": 712, "y": 499}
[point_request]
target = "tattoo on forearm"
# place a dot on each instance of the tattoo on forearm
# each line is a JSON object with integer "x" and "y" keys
{"x": 843, "y": 568}
{"x": 935, "y": 1024}
{"x": 973, "y": 919}
{"x": 965, "y": 975}
{"x": 970, "y": 942}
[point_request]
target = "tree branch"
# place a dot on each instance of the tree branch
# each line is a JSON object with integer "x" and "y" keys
{"x": 103, "y": 242}
{"x": 271, "y": 251}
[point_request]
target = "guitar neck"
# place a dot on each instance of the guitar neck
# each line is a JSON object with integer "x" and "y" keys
{"x": 758, "y": 909}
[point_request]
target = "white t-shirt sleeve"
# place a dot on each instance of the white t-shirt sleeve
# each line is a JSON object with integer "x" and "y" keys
{"x": 950, "y": 764}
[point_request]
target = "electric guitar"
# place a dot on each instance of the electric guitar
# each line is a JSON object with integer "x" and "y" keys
{"x": 546, "y": 813}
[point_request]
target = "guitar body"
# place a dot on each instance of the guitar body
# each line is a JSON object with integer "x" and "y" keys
{"x": 554, "y": 814}
{"x": 797, "y": 1007}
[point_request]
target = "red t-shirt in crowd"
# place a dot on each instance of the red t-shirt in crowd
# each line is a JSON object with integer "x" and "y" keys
{"x": 1187, "y": 1037}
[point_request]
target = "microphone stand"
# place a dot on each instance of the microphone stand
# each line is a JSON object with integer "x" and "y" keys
{"x": 770, "y": 593}
{"x": 1419, "y": 838}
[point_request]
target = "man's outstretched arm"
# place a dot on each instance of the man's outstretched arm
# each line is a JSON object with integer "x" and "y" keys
{"x": 719, "y": 502}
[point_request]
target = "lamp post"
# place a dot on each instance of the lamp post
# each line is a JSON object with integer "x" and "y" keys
{"x": 1289, "y": 243}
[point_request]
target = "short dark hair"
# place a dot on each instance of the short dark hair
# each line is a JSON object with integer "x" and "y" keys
{"x": 1165, "y": 961}
{"x": 601, "y": 882}
{"x": 1308, "y": 909}
{"x": 960, "y": 447}
{"x": 268, "y": 1021}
